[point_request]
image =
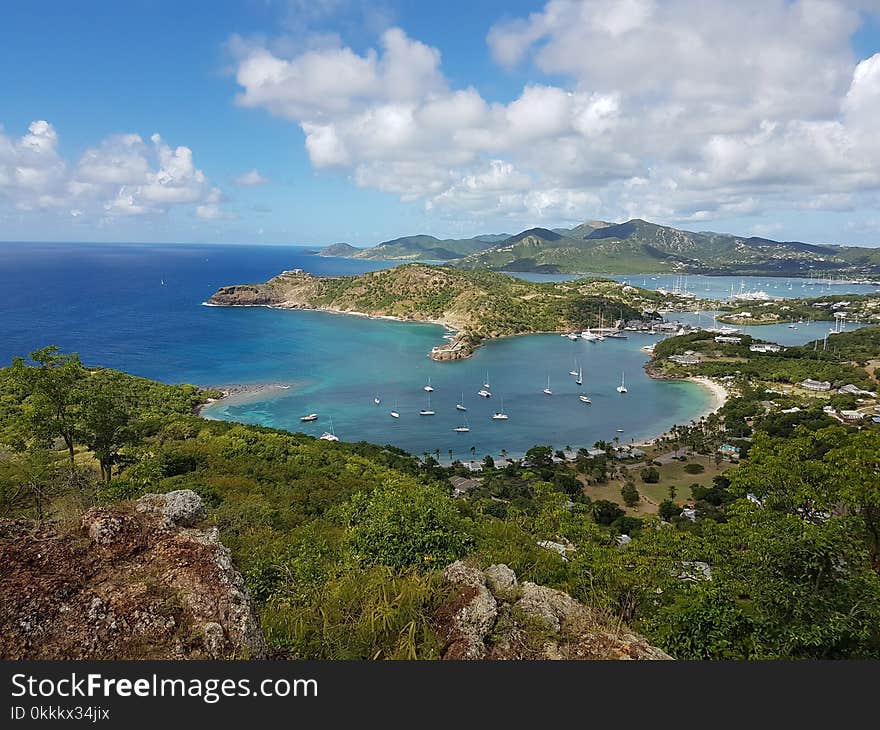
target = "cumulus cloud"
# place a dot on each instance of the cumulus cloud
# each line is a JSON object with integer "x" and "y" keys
{"x": 121, "y": 176}
{"x": 250, "y": 179}
{"x": 678, "y": 110}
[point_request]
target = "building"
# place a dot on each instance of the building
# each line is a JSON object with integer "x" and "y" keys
{"x": 596, "y": 453}
{"x": 728, "y": 339}
{"x": 729, "y": 450}
{"x": 764, "y": 347}
{"x": 689, "y": 513}
{"x": 851, "y": 389}
{"x": 462, "y": 485}
{"x": 817, "y": 385}
{"x": 852, "y": 415}
{"x": 685, "y": 359}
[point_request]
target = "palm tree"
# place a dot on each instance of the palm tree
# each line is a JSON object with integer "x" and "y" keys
{"x": 450, "y": 456}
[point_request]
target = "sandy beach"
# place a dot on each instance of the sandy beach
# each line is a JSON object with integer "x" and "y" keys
{"x": 719, "y": 393}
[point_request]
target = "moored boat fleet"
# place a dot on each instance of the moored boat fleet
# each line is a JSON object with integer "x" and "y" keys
{"x": 464, "y": 427}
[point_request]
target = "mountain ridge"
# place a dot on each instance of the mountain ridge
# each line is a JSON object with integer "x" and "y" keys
{"x": 634, "y": 246}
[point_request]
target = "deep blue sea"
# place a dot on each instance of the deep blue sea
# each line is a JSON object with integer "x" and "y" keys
{"x": 138, "y": 307}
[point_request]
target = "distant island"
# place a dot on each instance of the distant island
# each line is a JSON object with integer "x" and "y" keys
{"x": 478, "y": 305}
{"x": 634, "y": 247}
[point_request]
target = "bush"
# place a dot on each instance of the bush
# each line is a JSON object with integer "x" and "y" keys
{"x": 650, "y": 475}
{"x": 404, "y": 525}
{"x": 605, "y": 512}
{"x": 668, "y": 510}
{"x": 694, "y": 468}
{"x": 630, "y": 494}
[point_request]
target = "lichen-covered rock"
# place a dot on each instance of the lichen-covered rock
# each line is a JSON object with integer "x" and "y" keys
{"x": 492, "y": 616}
{"x": 181, "y": 508}
{"x": 500, "y": 578}
{"x": 134, "y": 584}
{"x": 548, "y": 605}
{"x": 470, "y": 616}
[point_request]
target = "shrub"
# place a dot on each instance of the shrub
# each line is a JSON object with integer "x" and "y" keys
{"x": 650, "y": 475}
{"x": 694, "y": 468}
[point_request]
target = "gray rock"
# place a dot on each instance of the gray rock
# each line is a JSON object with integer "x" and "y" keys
{"x": 463, "y": 574}
{"x": 182, "y": 508}
{"x": 548, "y": 605}
{"x": 500, "y": 578}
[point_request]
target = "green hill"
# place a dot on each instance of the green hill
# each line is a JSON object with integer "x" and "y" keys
{"x": 480, "y": 304}
{"x": 638, "y": 246}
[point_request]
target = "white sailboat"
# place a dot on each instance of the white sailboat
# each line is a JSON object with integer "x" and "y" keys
{"x": 460, "y": 405}
{"x": 573, "y": 372}
{"x": 547, "y": 390}
{"x": 486, "y": 384}
{"x": 329, "y": 435}
{"x": 428, "y": 388}
{"x": 395, "y": 413}
{"x": 427, "y": 411}
{"x": 580, "y": 378}
{"x": 500, "y": 415}
{"x": 622, "y": 387}
{"x": 310, "y": 417}
{"x": 464, "y": 428}
{"x": 483, "y": 393}
{"x": 377, "y": 400}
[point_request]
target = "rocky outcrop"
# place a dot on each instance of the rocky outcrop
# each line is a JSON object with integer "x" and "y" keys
{"x": 245, "y": 295}
{"x": 493, "y": 616}
{"x": 142, "y": 581}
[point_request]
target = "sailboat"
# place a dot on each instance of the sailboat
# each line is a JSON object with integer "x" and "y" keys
{"x": 462, "y": 429}
{"x": 622, "y": 387}
{"x": 483, "y": 393}
{"x": 460, "y": 405}
{"x": 500, "y": 415}
{"x": 310, "y": 417}
{"x": 547, "y": 390}
{"x": 395, "y": 413}
{"x": 580, "y": 380}
{"x": 427, "y": 411}
{"x": 428, "y": 388}
{"x": 486, "y": 384}
{"x": 573, "y": 372}
{"x": 329, "y": 435}
{"x": 377, "y": 400}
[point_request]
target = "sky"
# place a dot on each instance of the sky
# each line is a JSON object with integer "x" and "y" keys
{"x": 318, "y": 121}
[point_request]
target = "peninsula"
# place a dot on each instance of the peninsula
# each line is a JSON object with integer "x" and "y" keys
{"x": 478, "y": 305}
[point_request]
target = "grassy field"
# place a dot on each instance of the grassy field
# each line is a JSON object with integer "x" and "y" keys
{"x": 671, "y": 474}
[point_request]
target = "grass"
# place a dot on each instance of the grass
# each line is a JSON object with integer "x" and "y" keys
{"x": 672, "y": 474}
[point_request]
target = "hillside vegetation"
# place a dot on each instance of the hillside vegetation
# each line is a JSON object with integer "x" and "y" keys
{"x": 343, "y": 545}
{"x": 480, "y": 304}
{"x": 638, "y": 246}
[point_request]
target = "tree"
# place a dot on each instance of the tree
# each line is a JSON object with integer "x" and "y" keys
{"x": 106, "y": 419}
{"x": 488, "y": 462}
{"x": 650, "y": 475}
{"x": 52, "y": 398}
{"x": 667, "y": 510}
{"x": 605, "y": 512}
{"x": 630, "y": 494}
{"x": 540, "y": 455}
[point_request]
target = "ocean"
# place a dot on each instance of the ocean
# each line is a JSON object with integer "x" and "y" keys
{"x": 138, "y": 308}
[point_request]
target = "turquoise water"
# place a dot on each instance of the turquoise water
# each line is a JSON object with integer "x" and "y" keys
{"x": 340, "y": 375}
{"x": 137, "y": 307}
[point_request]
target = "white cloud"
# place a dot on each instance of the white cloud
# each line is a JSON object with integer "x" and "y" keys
{"x": 677, "y": 110}
{"x": 251, "y": 178}
{"x": 120, "y": 176}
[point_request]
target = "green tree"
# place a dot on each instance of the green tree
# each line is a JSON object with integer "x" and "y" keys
{"x": 630, "y": 494}
{"x": 106, "y": 419}
{"x": 650, "y": 475}
{"x": 51, "y": 387}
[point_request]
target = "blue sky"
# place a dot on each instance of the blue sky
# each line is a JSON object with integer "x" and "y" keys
{"x": 364, "y": 121}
